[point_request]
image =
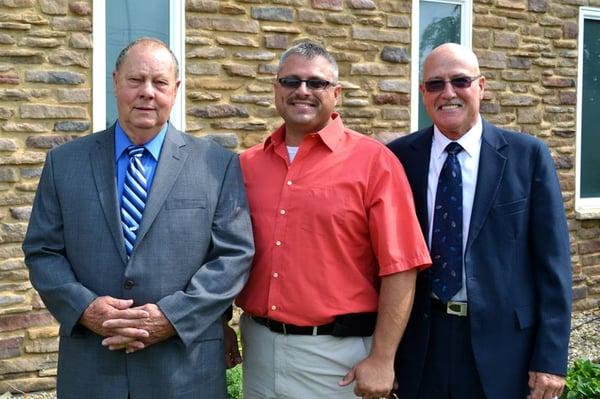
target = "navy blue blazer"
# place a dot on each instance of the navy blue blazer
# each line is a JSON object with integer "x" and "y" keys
{"x": 517, "y": 265}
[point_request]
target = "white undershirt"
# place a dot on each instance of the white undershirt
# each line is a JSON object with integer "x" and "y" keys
{"x": 292, "y": 151}
{"x": 469, "y": 165}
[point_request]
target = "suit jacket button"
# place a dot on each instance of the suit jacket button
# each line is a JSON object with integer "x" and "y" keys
{"x": 129, "y": 284}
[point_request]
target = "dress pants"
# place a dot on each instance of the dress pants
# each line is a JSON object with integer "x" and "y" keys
{"x": 450, "y": 371}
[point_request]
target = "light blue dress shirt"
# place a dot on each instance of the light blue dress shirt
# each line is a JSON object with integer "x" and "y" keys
{"x": 149, "y": 159}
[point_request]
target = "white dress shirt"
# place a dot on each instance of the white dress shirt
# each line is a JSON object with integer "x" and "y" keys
{"x": 469, "y": 165}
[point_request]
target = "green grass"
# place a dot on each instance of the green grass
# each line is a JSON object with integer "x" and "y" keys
{"x": 234, "y": 383}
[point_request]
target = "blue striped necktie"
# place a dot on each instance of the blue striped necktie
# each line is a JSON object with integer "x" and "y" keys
{"x": 446, "y": 237}
{"x": 134, "y": 196}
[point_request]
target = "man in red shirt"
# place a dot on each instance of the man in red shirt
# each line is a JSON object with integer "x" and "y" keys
{"x": 338, "y": 247}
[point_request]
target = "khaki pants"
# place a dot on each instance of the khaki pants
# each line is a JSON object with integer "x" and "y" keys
{"x": 297, "y": 366}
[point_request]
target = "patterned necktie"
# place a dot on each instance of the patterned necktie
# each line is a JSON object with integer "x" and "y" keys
{"x": 134, "y": 196}
{"x": 446, "y": 238}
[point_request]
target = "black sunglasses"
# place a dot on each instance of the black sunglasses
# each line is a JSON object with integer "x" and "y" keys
{"x": 314, "y": 84}
{"x": 461, "y": 82}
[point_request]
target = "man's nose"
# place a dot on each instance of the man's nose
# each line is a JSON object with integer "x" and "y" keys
{"x": 147, "y": 89}
{"x": 303, "y": 88}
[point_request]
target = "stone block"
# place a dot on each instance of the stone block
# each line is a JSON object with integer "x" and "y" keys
{"x": 259, "y": 55}
{"x": 25, "y": 320}
{"x": 23, "y": 158}
{"x": 45, "y": 111}
{"x": 203, "y": 96}
{"x": 8, "y": 175}
{"x": 6, "y": 39}
{"x": 11, "y": 347}
{"x": 12, "y": 232}
{"x": 395, "y": 113}
{"x": 203, "y": 68}
{"x": 222, "y": 24}
{"x": 14, "y": 26}
{"x": 47, "y": 141}
{"x": 40, "y": 42}
{"x": 231, "y": 9}
{"x": 277, "y": 41}
{"x": 8, "y": 145}
{"x": 379, "y": 35}
{"x": 207, "y": 53}
{"x": 28, "y": 384}
{"x": 558, "y": 82}
{"x": 208, "y": 6}
{"x": 6, "y": 113}
{"x": 395, "y": 54}
{"x": 235, "y": 125}
{"x": 81, "y": 8}
{"x": 263, "y": 101}
{"x": 72, "y": 126}
{"x": 12, "y": 264}
{"x": 398, "y": 21}
{"x": 282, "y": 14}
{"x": 81, "y": 41}
{"x": 375, "y": 69}
{"x": 68, "y": 58}
{"x": 334, "y": 5}
{"x": 311, "y": 16}
{"x": 362, "y": 4}
{"x": 489, "y": 22}
{"x": 218, "y": 111}
{"x": 71, "y": 24}
{"x": 42, "y": 345}
{"x": 528, "y": 115}
{"x": 21, "y": 213}
{"x": 17, "y": 4}
{"x": 55, "y": 77}
{"x": 54, "y": 7}
{"x": 236, "y": 41}
{"x": 227, "y": 140}
{"x": 391, "y": 99}
{"x": 325, "y": 31}
{"x": 506, "y": 39}
{"x": 340, "y": 19}
{"x": 400, "y": 86}
{"x": 74, "y": 95}
{"x": 246, "y": 71}
{"x": 28, "y": 173}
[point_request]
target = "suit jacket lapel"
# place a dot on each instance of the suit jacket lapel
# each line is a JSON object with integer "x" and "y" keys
{"x": 104, "y": 171}
{"x": 171, "y": 161}
{"x": 491, "y": 170}
{"x": 419, "y": 172}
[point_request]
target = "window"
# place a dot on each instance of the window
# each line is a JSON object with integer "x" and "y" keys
{"x": 435, "y": 22}
{"x": 587, "y": 187}
{"x": 118, "y": 22}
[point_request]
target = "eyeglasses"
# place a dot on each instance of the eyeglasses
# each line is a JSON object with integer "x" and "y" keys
{"x": 313, "y": 84}
{"x": 461, "y": 82}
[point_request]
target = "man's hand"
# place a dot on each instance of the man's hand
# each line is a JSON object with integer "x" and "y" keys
{"x": 137, "y": 334}
{"x": 545, "y": 386}
{"x": 105, "y": 308}
{"x": 374, "y": 378}
{"x": 232, "y": 351}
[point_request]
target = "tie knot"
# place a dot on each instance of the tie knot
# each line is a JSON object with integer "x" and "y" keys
{"x": 135, "y": 150}
{"x": 453, "y": 148}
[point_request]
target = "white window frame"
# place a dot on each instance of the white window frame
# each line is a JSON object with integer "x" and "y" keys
{"x": 585, "y": 208}
{"x": 466, "y": 25}
{"x": 176, "y": 43}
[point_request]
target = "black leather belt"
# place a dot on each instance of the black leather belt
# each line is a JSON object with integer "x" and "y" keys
{"x": 452, "y": 307}
{"x": 283, "y": 328}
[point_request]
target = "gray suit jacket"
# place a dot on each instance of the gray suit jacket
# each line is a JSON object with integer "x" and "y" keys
{"x": 191, "y": 258}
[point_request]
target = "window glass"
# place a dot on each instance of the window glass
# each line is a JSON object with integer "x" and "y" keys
{"x": 438, "y": 23}
{"x": 590, "y": 117}
{"x": 127, "y": 21}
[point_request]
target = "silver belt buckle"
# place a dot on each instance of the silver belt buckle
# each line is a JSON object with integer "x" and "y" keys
{"x": 456, "y": 308}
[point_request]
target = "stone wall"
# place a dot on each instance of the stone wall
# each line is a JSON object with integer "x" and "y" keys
{"x": 527, "y": 49}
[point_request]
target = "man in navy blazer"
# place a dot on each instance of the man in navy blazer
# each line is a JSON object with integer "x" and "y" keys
{"x": 140, "y": 321}
{"x": 505, "y": 333}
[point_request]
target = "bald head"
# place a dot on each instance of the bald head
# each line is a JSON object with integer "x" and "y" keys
{"x": 451, "y": 54}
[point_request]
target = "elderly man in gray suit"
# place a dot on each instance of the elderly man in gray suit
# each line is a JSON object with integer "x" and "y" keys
{"x": 138, "y": 240}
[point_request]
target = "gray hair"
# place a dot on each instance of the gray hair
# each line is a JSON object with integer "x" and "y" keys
{"x": 150, "y": 41}
{"x": 309, "y": 51}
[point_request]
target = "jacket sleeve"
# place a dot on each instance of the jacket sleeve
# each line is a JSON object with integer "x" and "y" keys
{"x": 213, "y": 287}
{"x": 49, "y": 269}
{"x": 551, "y": 260}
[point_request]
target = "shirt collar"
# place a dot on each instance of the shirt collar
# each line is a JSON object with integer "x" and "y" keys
{"x": 330, "y": 134}
{"x": 153, "y": 146}
{"x": 469, "y": 141}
